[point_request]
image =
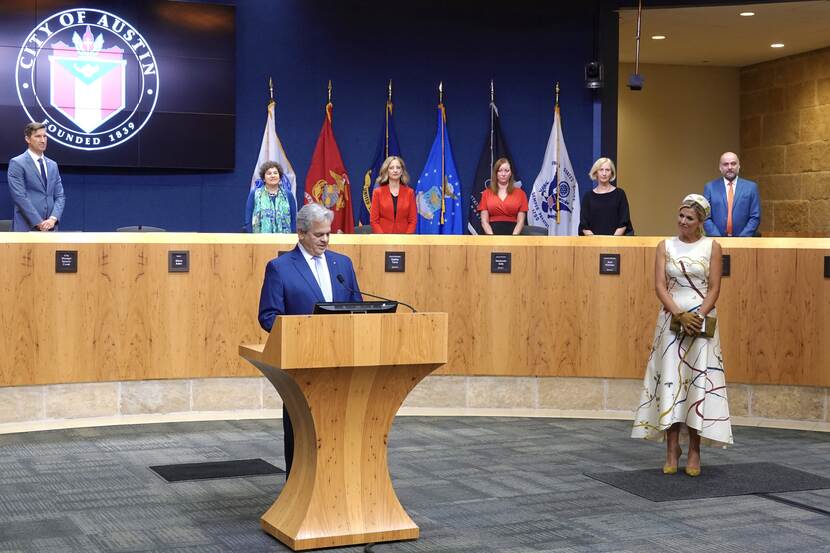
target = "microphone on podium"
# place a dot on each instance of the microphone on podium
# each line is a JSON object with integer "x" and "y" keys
{"x": 342, "y": 281}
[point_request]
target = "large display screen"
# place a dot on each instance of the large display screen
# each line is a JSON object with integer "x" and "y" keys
{"x": 120, "y": 83}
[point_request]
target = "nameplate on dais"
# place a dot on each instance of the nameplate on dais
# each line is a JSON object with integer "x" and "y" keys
{"x": 500, "y": 262}
{"x": 726, "y": 268}
{"x": 395, "y": 262}
{"x": 178, "y": 261}
{"x": 609, "y": 263}
{"x": 66, "y": 261}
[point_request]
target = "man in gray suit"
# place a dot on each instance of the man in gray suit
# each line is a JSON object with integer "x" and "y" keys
{"x": 35, "y": 185}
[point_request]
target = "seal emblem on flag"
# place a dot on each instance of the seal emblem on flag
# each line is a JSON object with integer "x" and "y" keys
{"x": 548, "y": 203}
{"x": 429, "y": 202}
{"x": 330, "y": 195}
{"x": 72, "y": 75}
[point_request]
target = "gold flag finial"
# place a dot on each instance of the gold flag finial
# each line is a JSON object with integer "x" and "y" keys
{"x": 329, "y": 90}
{"x": 441, "y": 92}
{"x": 389, "y": 97}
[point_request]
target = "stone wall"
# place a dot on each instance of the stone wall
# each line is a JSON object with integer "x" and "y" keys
{"x": 59, "y": 405}
{"x": 785, "y": 141}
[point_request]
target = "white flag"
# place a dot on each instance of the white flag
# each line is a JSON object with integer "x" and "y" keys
{"x": 556, "y": 175}
{"x": 271, "y": 150}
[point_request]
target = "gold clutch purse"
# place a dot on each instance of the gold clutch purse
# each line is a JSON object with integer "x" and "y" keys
{"x": 708, "y": 330}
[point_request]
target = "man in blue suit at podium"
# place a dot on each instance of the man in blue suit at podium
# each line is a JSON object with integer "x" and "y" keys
{"x": 308, "y": 274}
{"x": 736, "y": 207}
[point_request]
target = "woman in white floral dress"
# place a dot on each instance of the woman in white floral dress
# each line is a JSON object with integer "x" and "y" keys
{"x": 684, "y": 382}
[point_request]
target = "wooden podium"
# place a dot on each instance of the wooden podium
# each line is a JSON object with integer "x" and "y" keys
{"x": 342, "y": 379}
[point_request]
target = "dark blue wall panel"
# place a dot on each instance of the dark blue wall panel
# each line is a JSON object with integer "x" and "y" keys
{"x": 525, "y": 46}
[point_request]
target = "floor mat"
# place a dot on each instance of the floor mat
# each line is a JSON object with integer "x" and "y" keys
{"x": 219, "y": 469}
{"x": 714, "y": 481}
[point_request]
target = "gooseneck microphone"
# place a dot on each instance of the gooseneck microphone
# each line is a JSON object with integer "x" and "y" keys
{"x": 342, "y": 281}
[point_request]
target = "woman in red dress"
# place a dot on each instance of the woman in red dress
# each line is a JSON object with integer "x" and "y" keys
{"x": 503, "y": 207}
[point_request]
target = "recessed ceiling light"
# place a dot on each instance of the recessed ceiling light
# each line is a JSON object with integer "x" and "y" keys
{"x": 777, "y": 45}
{"x": 746, "y": 14}
{"x": 658, "y": 37}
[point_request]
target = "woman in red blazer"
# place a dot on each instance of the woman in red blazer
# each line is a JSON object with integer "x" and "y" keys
{"x": 393, "y": 202}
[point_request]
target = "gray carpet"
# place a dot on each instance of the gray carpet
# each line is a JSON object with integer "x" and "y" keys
{"x": 473, "y": 485}
{"x": 713, "y": 481}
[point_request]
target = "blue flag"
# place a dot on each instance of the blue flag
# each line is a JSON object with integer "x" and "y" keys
{"x": 438, "y": 191}
{"x": 387, "y": 146}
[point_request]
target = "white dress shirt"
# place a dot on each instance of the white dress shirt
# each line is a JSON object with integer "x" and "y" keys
{"x": 320, "y": 272}
{"x": 35, "y": 158}
{"x": 726, "y": 186}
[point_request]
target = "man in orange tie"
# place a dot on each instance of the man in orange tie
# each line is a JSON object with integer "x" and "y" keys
{"x": 736, "y": 206}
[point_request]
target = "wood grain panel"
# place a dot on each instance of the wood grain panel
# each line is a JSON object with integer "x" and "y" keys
{"x": 555, "y": 328}
{"x": 617, "y": 311}
{"x": 342, "y": 407}
{"x": 119, "y": 313}
{"x": 774, "y": 302}
{"x": 446, "y": 281}
{"x": 124, "y": 317}
{"x": 814, "y": 316}
{"x": 498, "y": 310}
{"x": 732, "y": 308}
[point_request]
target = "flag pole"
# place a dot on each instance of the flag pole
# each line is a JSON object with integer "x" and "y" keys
{"x": 271, "y": 90}
{"x": 556, "y": 182}
{"x": 492, "y": 130}
{"x": 441, "y": 129}
{"x": 386, "y": 126}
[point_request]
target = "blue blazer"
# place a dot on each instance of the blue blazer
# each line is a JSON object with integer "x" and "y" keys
{"x": 34, "y": 202}
{"x": 746, "y": 208}
{"x": 290, "y": 288}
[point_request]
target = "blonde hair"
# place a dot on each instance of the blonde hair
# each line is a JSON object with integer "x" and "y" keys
{"x": 699, "y": 211}
{"x": 494, "y": 176}
{"x": 598, "y": 163}
{"x": 383, "y": 174}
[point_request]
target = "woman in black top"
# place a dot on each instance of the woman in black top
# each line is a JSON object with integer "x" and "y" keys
{"x": 604, "y": 210}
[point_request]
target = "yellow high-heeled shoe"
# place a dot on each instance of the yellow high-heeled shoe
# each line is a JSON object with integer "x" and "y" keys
{"x": 693, "y": 471}
{"x": 672, "y": 469}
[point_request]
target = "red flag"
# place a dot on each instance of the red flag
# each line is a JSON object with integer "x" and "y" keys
{"x": 326, "y": 182}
